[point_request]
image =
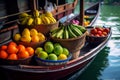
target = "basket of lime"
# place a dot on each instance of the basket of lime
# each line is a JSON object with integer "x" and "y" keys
{"x": 52, "y": 54}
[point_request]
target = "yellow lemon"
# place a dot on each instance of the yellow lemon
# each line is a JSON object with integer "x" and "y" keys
{"x": 41, "y": 37}
{"x": 33, "y": 32}
{"x": 26, "y": 31}
{"x": 17, "y": 37}
{"x": 62, "y": 57}
{"x": 26, "y": 38}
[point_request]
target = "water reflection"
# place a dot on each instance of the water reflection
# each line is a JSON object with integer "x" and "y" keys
{"x": 93, "y": 72}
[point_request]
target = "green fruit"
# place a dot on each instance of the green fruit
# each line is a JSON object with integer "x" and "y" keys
{"x": 38, "y": 50}
{"x": 52, "y": 56}
{"x": 49, "y": 47}
{"x": 43, "y": 55}
{"x": 65, "y": 51}
{"x": 58, "y": 50}
{"x": 57, "y": 44}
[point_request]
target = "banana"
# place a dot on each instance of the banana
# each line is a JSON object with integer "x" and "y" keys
{"x": 65, "y": 34}
{"x": 75, "y": 30}
{"x": 60, "y": 33}
{"x": 81, "y": 28}
{"x": 48, "y": 14}
{"x": 30, "y": 21}
{"x": 52, "y": 19}
{"x": 37, "y": 21}
{"x": 45, "y": 20}
{"x": 23, "y": 21}
{"x": 36, "y": 13}
{"x": 23, "y": 15}
{"x": 71, "y": 34}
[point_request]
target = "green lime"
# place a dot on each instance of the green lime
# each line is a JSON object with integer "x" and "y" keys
{"x": 43, "y": 55}
{"x": 49, "y": 47}
{"x": 38, "y": 49}
{"x": 52, "y": 56}
{"x": 58, "y": 50}
{"x": 65, "y": 51}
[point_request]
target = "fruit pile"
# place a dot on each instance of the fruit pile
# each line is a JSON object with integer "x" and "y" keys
{"x": 99, "y": 32}
{"x": 36, "y": 18}
{"x": 68, "y": 31}
{"x": 31, "y": 35}
{"x": 52, "y": 51}
{"x": 12, "y": 51}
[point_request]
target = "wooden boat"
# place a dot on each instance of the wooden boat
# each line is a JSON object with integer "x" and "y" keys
{"x": 31, "y": 72}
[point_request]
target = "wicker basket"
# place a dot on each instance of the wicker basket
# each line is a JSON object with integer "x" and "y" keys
{"x": 73, "y": 44}
{"x": 43, "y": 28}
{"x": 52, "y": 62}
{"x": 16, "y": 62}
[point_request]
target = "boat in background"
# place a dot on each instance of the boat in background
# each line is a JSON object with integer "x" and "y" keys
{"x": 30, "y": 72}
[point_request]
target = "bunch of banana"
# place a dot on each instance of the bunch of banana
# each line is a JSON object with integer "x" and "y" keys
{"x": 36, "y": 18}
{"x": 68, "y": 31}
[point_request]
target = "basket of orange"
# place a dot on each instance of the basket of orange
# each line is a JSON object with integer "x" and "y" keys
{"x": 70, "y": 36}
{"x": 96, "y": 35}
{"x": 30, "y": 37}
{"x": 13, "y": 54}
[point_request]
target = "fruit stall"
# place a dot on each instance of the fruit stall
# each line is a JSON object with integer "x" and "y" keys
{"x": 38, "y": 44}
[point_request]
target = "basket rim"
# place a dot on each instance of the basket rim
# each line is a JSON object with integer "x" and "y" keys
{"x": 70, "y": 39}
{"x": 52, "y": 61}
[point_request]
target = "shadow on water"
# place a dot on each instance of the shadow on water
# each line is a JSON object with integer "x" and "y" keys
{"x": 99, "y": 64}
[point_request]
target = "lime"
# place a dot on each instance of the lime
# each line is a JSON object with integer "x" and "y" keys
{"x": 43, "y": 55}
{"x": 62, "y": 57}
{"x": 49, "y": 47}
{"x": 52, "y": 56}
{"x": 38, "y": 50}
{"x": 65, "y": 51}
{"x": 57, "y": 44}
{"x": 58, "y": 50}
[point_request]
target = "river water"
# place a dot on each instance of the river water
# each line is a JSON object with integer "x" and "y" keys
{"x": 106, "y": 65}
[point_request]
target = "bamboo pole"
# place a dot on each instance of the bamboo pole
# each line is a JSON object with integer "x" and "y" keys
{"x": 82, "y": 12}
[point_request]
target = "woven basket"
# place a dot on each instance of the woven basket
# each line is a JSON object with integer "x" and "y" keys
{"x": 43, "y": 28}
{"x": 52, "y": 62}
{"x": 73, "y": 44}
{"x": 16, "y": 62}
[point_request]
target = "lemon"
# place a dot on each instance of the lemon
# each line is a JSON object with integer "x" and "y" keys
{"x": 17, "y": 37}
{"x": 25, "y": 38}
{"x": 26, "y": 31}
{"x": 33, "y": 32}
{"x": 38, "y": 50}
{"x": 41, "y": 37}
{"x": 62, "y": 57}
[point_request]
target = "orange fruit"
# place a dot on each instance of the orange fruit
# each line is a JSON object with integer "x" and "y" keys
{"x": 3, "y": 47}
{"x": 3, "y": 54}
{"x": 12, "y": 49}
{"x": 13, "y": 57}
{"x": 21, "y": 47}
{"x": 13, "y": 43}
{"x": 23, "y": 54}
{"x": 30, "y": 50}
{"x": 35, "y": 38}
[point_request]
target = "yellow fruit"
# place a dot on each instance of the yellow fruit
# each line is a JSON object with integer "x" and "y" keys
{"x": 33, "y": 32}
{"x": 36, "y": 13}
{"x": 30, "y": 21}
{"x": 62, "y": 57}
{"x": 35, "y": 38}
{"x": 25, "y": 38}
{"x": 37, "y": 21}
{"x": 48, "y": 14}
{"x": 41, "y": 37}
{"x": 22, "y": 15}
{"x": 26, "y": 31}
{"x": 17, "y": 37}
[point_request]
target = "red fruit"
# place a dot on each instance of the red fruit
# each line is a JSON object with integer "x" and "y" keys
{"x": 107, "y": 30}
{"x": 97, "y": 35}
{"x": 105, "y": 33}
{"x": 99, "y": 29}
{"x": 99, "y": 32}
{"x": 93, "y": 31}
{"x": 12, "y": 49}
{"x": 3, "y": 54}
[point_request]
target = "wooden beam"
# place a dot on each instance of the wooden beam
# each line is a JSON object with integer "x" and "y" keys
{"x": 82, "y": 12}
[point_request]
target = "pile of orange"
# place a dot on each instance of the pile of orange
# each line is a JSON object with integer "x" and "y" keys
{"x": 12, "y": 51}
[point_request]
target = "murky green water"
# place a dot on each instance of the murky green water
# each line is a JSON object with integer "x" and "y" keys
{"x": 106, "y": 65}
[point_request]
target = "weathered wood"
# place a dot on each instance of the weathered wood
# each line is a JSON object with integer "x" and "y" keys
{"x": 81, "y": 12}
